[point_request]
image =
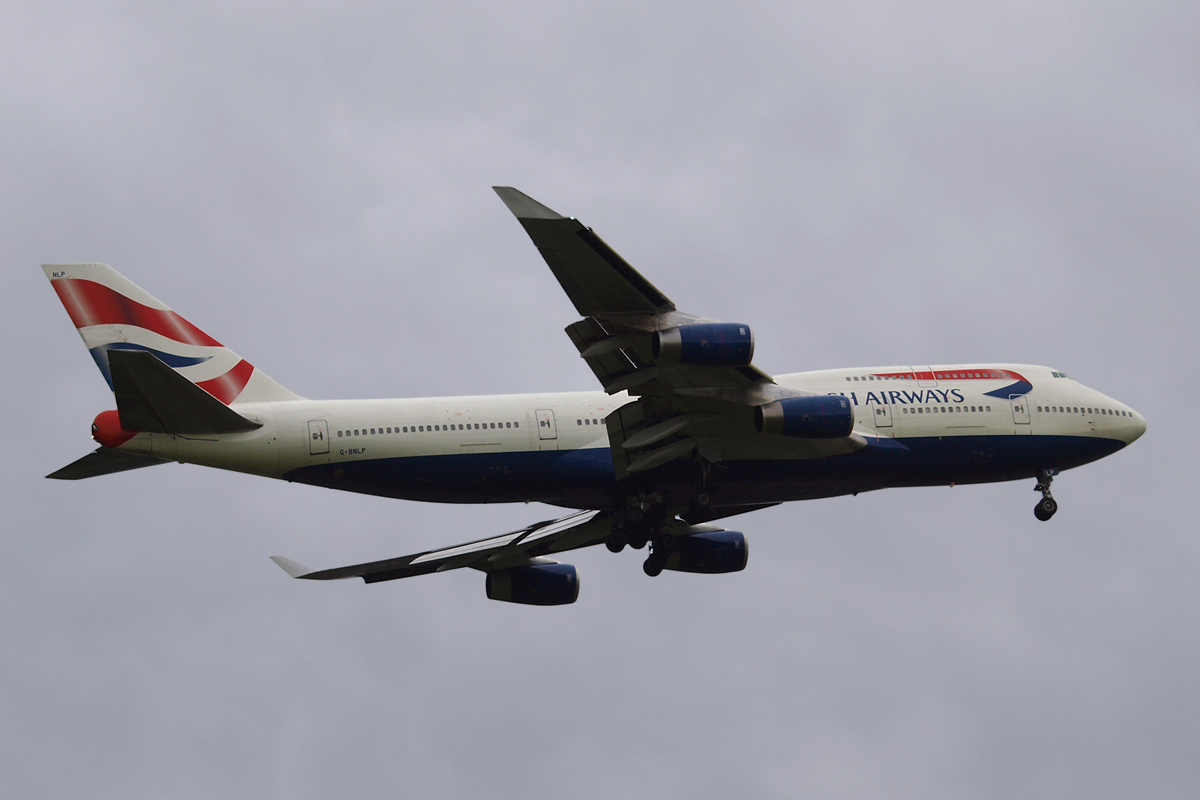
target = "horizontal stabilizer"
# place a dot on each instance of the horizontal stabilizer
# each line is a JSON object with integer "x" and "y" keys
{"x": 153, "y": 397}
{"x": 103, "y": 461}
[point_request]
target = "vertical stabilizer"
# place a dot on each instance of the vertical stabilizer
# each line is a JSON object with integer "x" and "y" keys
{"x": 112, "y": 313}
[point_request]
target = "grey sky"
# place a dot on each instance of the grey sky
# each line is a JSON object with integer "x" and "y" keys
{"x": 864, "y": 183}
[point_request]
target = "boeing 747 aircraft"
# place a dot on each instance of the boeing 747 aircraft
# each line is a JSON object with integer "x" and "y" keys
{"x": 686, "y": 431}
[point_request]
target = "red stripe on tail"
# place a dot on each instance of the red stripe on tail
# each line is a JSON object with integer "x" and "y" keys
{"x": 227, "y": 387}
{"x": 90, "y": 303}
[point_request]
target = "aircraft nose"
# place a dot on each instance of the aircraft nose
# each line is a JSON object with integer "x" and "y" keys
{"x": 1137, "y": 428}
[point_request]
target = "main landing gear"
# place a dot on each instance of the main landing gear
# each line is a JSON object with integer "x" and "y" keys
{"x": 1046, "y": 507}
{"x": 660, "y": 550}
{"x": 706, "y": 486}
{"x": 641, "y": 521}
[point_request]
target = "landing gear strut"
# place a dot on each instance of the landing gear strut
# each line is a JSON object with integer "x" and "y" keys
{"x": 706, "y": 486}
{"x": 1046, "y": 507}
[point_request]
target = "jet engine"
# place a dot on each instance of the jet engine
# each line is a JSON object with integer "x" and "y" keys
{"x": 535, "y": 585}
{"x": 816, "y": 417}
{"x": 709, "y": 553}
{"x": 719, "y": 344}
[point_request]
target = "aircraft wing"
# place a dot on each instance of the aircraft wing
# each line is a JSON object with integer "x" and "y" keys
{"x": 621, "y": 309}
{"x": 700, "y": 404}
{"x": 529, "y": 545}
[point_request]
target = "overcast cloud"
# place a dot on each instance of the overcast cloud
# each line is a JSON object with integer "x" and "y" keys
{"x": 864, "y": 183}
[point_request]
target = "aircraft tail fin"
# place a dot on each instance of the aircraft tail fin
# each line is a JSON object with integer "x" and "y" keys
{"x": 112, "y": 314}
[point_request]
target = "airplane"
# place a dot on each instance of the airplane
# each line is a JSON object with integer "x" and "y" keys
{"x": 685, "y": 432}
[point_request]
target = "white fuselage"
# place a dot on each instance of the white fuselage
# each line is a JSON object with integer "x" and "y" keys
{"x": 511, "y": 447}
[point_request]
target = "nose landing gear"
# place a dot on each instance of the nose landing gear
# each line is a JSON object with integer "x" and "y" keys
{"x": 1046, "y": 507}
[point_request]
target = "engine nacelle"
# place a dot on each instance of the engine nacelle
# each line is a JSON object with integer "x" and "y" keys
{"x": 535, "y": 585}
{"x": 709, "y": 553}
{"x": 818, "y": 417}
{"x": 719, "y": 344}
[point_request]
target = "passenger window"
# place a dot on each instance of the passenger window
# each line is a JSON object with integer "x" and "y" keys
{"x": 578, "y": 422}
{"x": 492, "y": 424}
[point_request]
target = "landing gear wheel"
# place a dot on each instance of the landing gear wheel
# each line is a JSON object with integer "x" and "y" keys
{"x": 660, "y": 550}
{"x": 638, "y": 538}
{"x": 616, "y": 540}
{"x": 1045, "y": 508}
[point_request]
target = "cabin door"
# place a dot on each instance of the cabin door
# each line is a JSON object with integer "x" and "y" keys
{"x": 883, "y": 414}
{"x": 1020, "y": 412}
{"x": 546, "y": 427}
{"x": 318, "y": 437}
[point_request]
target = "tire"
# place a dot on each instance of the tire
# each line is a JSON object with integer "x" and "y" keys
{"x": 1045, "y": 508}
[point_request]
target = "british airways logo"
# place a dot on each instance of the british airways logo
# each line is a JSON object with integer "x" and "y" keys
{"x": 905, "y": 397}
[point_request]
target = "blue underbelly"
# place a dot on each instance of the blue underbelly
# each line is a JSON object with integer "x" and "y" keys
{"x": 585, "y": 478}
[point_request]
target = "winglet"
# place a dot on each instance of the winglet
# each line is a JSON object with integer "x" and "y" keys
{"x": 523, "y": 206}
{"x": 293, "y": 568}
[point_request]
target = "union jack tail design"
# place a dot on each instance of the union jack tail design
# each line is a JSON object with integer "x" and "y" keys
{"x": 112, "y": 313}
